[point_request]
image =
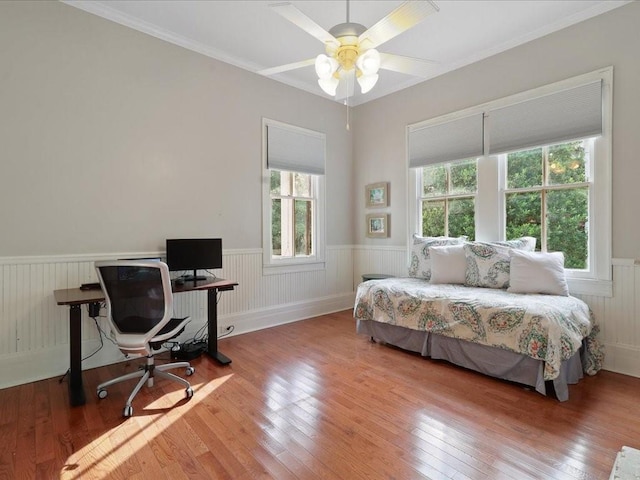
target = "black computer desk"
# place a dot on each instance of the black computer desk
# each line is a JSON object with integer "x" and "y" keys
{"x": 75, "y": 298}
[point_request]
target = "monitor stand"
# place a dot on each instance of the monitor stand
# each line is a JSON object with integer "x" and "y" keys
{"x": 193, "y": 278}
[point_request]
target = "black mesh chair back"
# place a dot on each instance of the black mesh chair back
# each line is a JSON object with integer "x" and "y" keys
{"x": 137, "y": 297}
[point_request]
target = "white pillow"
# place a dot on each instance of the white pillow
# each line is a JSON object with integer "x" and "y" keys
{"x": 420, "y": 265}
{"x": 538, "y": 272}
{"x": 448, "y": 264}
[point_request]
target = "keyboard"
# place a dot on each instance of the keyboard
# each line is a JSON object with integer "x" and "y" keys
{"x": 90, "y": 286}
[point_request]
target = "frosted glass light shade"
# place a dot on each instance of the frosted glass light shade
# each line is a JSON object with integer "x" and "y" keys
{"x": 367, "y": 82}
{"x": 329, "y": 85}
{"x": 369, "y": 62}
{"x": 325, "y": 66}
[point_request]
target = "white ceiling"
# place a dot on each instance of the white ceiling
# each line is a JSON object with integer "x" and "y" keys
{"x": 250, "y": 35}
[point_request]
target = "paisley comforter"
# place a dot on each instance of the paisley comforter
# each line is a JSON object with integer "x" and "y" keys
{"x": 544, "y": 327}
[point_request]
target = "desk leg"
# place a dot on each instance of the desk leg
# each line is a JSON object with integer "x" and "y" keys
{"x": 76, "y": 389}
{"x": 212, "y": 325}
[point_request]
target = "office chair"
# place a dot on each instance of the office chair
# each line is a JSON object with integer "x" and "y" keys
{"x": 139, "y": 308}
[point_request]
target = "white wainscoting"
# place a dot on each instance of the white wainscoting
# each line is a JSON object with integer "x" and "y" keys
{"x": 618, "y": 316}
{"x": 34, "y": 330}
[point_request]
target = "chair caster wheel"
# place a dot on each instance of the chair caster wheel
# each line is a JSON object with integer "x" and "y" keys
{"x": 128, "y": 411}
{"x": 189, "y": 392}
{"x": 190, "y": 371}
{"x": 102, "y": 393}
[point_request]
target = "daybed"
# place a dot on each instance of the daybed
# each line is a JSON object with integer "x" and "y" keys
{"x": 530, "y": 338}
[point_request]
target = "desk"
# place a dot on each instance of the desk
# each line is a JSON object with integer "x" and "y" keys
{"x": 75, "y": 298}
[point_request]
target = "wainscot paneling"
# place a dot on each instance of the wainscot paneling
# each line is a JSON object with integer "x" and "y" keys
{"x": 618, "y": 315}
{"x": 34, "y": 330}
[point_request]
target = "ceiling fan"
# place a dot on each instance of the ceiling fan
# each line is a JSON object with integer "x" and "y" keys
{"x": 351, "y": 53}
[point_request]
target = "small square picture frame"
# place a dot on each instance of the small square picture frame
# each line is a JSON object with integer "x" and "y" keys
{"x": 377, "y": 195}
{"x": 377, "y": 225}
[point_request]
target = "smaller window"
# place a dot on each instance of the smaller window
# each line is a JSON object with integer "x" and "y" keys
{"x": 447, "y": 201}
{"x": 292, "y": 199}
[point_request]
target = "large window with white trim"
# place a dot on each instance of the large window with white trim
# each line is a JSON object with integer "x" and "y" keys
{"x": 293, "y": 198}
{"x": 543, "y": 170}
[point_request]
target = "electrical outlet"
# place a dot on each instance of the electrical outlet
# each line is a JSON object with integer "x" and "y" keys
{"x": 225, "y": 329}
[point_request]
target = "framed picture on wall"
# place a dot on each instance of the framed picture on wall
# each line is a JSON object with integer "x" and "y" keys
{"x": 378, "y": 225}
{"x": 377, "y": 195}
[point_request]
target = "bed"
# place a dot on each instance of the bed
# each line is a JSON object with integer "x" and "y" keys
{"x": 543, "y": 341}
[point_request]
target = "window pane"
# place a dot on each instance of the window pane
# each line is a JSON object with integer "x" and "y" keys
{"x": 462, "y": 218}
{"x": 523, "y": 215}
{"x": 275, "y": 182}
{"x": 276, "y": 225}
{"x": 434, "y": 180}
{"x": 524, "y": 169}
{"x": 303, "y": 217}
{"x": 433, "y": 218}
{"x": 567, "y": 225}
{"x": 567, "y": 163}
{"x": 463, "y": 178}
{"x": 301, "y": 185}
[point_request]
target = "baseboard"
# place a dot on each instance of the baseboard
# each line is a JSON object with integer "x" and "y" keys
{"x": 622, "y": 358}
{"x": 262, "y": 318}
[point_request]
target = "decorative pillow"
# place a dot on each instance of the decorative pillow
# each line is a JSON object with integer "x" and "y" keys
{"x": 528, "y": 244}
{"x": 537, "y": 272}
{"x": 448, "y": 264}
{"x": 487, "y": 265}
{"x": 420, "y": 265}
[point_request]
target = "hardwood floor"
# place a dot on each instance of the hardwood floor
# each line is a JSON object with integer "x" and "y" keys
{"x": 313, "y": 400}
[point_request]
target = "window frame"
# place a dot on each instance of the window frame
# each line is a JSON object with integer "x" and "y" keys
{"x": 275, "y": 265}
{"x": 490, "y": 211}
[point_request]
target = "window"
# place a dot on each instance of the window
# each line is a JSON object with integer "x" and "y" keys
{"x": 292, "y": 212}
{"x": 447, "y": 203}
{"x": 547, "y": 197}
{"x": 544, "y": 171}
{"x": 293, "y": 204}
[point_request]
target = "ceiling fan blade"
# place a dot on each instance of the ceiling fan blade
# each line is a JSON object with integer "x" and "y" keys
{"x": 287, "y": 67}
{"x": 346, "y": 87}
{"x": 401, "y": 19}
{"x": 295, "y": 16}
{"x": 408, "y": 65}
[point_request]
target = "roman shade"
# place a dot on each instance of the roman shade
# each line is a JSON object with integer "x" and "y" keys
{"x": 295, "y": 149}
{"x": 570, "y": 114}
{"x": 457, "y": 139}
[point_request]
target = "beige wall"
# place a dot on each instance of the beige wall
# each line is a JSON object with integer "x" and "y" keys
{"x": 609, "y": 39}
{"x": 112, "y": 140}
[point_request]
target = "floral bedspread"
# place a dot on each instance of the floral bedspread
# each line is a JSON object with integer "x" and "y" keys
{"x": 545, "y": 327}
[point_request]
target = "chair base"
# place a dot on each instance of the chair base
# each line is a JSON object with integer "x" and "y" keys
{"x": 147, "y": 374}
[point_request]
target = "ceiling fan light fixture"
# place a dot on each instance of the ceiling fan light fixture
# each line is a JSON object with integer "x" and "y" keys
{"x": 369, "y": 62}
{"x": 329, "y": 85}
{"x": 325, "y": 66}
{"x": 367, "y": 82}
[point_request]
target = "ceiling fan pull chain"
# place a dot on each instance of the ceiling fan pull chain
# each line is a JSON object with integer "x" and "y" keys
{"x": 347, "y": 105}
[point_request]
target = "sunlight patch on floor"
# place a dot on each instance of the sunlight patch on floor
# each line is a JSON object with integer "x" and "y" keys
{"x": 104, "y": 454}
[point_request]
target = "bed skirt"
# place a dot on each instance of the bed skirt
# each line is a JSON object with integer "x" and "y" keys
{"x": 492, "y": 361}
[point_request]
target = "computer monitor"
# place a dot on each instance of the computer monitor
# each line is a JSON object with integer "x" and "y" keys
{"x": 194, "y": 254}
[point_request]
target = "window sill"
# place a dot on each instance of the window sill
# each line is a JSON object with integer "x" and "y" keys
{"x": 585, "y": 286}
{"x": 278, "y": 269}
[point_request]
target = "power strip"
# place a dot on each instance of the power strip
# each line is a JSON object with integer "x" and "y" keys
{"x": 189, "y": 351}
